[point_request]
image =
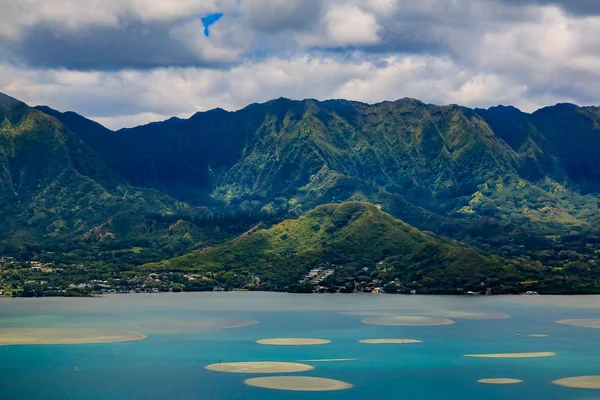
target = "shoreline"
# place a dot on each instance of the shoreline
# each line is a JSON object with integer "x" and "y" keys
{"x": 522, "y": 296}
{"x": 240, "y": 290}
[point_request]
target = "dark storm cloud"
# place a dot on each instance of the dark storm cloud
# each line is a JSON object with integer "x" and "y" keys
{"x": 135, "y": 45}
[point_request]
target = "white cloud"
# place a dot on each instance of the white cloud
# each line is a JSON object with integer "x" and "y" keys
{"x": 555, "y": 56}
{"x": 128, "y": 98}
{"x": 349, "y": 26}
{"x": 488, "y": 90}
{"x": 471, "y": 52}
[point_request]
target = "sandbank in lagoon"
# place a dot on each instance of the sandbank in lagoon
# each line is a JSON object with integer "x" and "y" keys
{"x": 584, "y": 323}
{"x": 513, "y": 355}
{"x": 262, "y": 367}
{"x": 197, "y": 326}
{"x": 582, "y": 302}
{"x": 500, "y": 381}
{"x": 457, "y": 314}
{"x": 66, "y": 335}
{"x": 298, "y": 383}
{"x": 293, "y": 341}
{"x": 389, "y": 341}
{"x": 538, "y": 335}
{"x": 407, "y": 320}
{"x": 475, "y": 315}
{"x": 580, "y": 382}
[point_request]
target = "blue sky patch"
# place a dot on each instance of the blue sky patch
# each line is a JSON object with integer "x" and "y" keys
{"x": 208, "y": 20}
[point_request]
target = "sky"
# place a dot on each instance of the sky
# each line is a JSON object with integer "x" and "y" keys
{"x": 130, "y": 62}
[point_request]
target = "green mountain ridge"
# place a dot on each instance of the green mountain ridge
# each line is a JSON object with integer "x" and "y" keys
{"x": 522, "y": 188}
{"x": 426, "y": 164}
{"x": 56, "y": 194}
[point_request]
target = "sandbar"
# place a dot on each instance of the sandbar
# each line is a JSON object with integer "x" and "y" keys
{"x": 581, "y": 382}
{"x": 500, "y": 381}
{"x": 298, "y": 383}
{"x": 389, "y": 341}
{"x": 538, "y": 335}
{"x": 407, "y": 320}
{"x": 293, "y": 341}
{"x": 66, "y": 335}
{"x": 584, "y": 323}
{"x": 470, "y": 315}
{"x": 513, "y": 355}
{"x": 587, "y": 302}
{"x": 262, "y": 367}
{"x": 330, "y": 360}
{"x": 197, "y": 326}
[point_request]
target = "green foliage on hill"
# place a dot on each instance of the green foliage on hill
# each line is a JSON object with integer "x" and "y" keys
{"x": 356, "y": 235}
{"x": 424, "y": 164}
{"x": 57, "y": 195}
{"x": 521, "y": 187}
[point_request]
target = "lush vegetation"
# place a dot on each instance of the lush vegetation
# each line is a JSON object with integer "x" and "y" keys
{"x": 60, "y": 202}
{"x": 366, "y": 245}
{"x": 517, "y": 193}
{"x": 445, "y": 169}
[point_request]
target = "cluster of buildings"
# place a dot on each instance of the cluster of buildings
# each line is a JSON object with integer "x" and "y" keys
{"x": 320, "y": 273}
{"x": 48, "y": 268}
{"x": 317, "y": 275}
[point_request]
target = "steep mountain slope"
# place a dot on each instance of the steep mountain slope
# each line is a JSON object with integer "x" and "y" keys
{"x": 574, "y": 134}
{"x": 292, "y": 155}
{"x": 447, "y": 169}
{"x": 561, "y": 142}
{"x": 354, "y": 235}
{"x": 182, "y": 157}
{"x": 523, "y": 187}
{"x": 420, "y": 151}
{"x": 284, "y": 148}
{"x": 56, "y": 194}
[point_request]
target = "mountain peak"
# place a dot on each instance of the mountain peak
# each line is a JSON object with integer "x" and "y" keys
{"x": 501, "y": 108}
{"x": 215, "y": 111}
{"x": 559, "y": 107}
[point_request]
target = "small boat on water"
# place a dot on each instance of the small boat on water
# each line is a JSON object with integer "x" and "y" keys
{"x": 76, "y": 368}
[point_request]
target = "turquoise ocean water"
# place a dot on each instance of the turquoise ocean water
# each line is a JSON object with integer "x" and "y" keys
{"x": 171, "y": 364}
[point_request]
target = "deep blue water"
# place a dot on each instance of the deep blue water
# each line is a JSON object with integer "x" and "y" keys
{"x": 170, "y": 365}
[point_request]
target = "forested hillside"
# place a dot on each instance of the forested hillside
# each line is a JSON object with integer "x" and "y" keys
{"x": 507, "y": 184}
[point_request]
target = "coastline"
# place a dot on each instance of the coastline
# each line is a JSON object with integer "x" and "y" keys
{"x": 542, "y": 300}
{"x": 449, "y": 294}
